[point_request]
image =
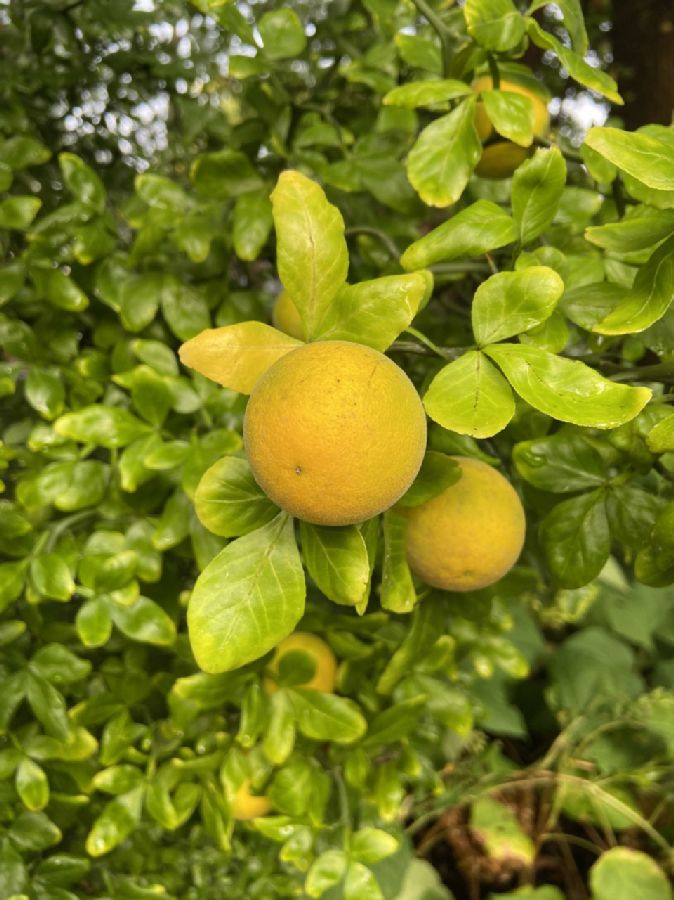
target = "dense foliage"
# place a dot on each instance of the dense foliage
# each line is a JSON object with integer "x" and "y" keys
{"x": 519, "y": 735}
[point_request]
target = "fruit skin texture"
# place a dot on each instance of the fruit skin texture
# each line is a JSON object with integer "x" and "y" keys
{"x": 499, "y": 160}
{"x": 334, "y": 432}
{"x": 471, "y": 534}
{"x": 245, "y": 806}
{"x": 325, "y": 676}
{"x": 285, "y": 316}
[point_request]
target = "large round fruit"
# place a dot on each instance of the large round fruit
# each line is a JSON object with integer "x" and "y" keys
{"x": 334, "y": 432}
{"x": 500, "y": 160}
{"x": 470, "y": 534}
{"x": 325, "y": 674}
{"x": 286, "y": 317}
{"x": 245, "y": 805}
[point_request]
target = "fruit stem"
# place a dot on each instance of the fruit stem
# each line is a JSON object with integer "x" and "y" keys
{"x": 442, "y": 32}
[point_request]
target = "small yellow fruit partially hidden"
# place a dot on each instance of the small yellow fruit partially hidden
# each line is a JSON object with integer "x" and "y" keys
{"x": 500, "y": 160}
{"x": 245, "y": 806}
{"x": 469, "y": 535}
{"x": 334, "y": 432}
{"x": 325, "y": 674}
{"x": 286, "y": 317}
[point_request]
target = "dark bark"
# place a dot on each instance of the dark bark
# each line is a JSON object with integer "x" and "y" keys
{"x": 643, "y": 50}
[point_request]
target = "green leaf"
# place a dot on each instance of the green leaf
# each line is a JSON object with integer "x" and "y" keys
{"x": 660, "y": 438}
{"x": 479, "y": 228}
{"x": 228, "y": 500}
{"x": 562, "y": 463}
{"x": 326, "y": 871}
{"x": 370, "y": 845}
{"x": 104, "y": 426}
{"x": 511, "y": 302}
{"x": 21, "y": 152}
{"x": 12, "y": 579}
{"x": 118, "y": 819}
{"x": 360, "y": 883}
{"x": 144, "y": 621}
{"x": 224, "y": 174}
{"x": 311, "y": 252}
{"x": 139, "y": 299}
{"x": 566, "y": 389}
{"x": 648, "y": 299}
{"x": 51, "y": 577}
{"x": 327, "y": 717}
{"x": 337, "y": 561}
{"x": 590, "y": 304}
{"x": 437, "y": 472}
{"x": 252, "y": 224}
{"x": 282, "y": 34}
{"x": 59, "y": 289}
{"x": 494, "y": 24}
{"x": 426, "y": 93}
{"x": 576, "y": 539}
{"x": 184, "y": 308}
{"x": 580, "y": 70}
{"x": 17, "y": 213}
{"x": 13, "y": 873}
{"x": 48, "y": 706}
{"x": 538, "y": 185}
{"x": 470, "y": 396}
{"x": 444, "y": 156}
{"x": 45, "y": 392}
{"x": 511, "y": 114}
{"x": 82, "y": 182}
{"x": 642, "y": 156}
{"x": 640, "y": 231}
{"x": 32, "y": 785}
{"x": 161, "y": 193}
{"x": 279, "y": 734}
{"x": 397, "y": 587}
{"x": 592, "y": 665}
{"x": 63, "y": 869}
{"x": 396, "y": 722}
{"x": 497, "y": 828}
{"x": 12, "y": 278}
{"x": 33, "y": 831}
{"x": 376, "y": 312}
{"x": 622, "y": 874}
{"x": 248, "y": 598}
{"x": 86, "y": 487}
{"x": 428, "y": 624}
{"x": 6, "y": 177}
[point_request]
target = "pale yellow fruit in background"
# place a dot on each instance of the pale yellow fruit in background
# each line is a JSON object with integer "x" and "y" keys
{"x": 334, "y": 432}
{"x": 245, "y": 806}
{"x": 500, "y": 160}
{"x": 285, "y": 316}
{"x": 471, "y": 534}
{"x": 541, "y": 114}
{"x": 325, "y": 675}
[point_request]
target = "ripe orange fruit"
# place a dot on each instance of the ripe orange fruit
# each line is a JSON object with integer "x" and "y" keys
{"x": 325, "y": 674}
{"x": 469, "y": 535}
{"x": 334, "y": 432}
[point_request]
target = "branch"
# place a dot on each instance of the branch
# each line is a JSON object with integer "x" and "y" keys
{"x": 442, "y": 32}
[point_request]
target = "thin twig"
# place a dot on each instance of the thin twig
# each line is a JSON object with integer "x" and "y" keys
{"x": 441, "y": 30}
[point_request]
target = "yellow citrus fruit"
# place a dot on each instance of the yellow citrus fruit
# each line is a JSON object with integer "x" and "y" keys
{"x": 246, "y": 805}
{"x": 500, "y": 160}
{"x": 334, "y": 432}
{"x": 541, "y": 114}
{"x": 285, "y": 316}
{"x": 325, "y": 675}
{"x": 470, "y": 534}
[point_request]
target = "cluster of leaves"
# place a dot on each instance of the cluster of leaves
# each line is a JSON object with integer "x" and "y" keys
{"x": 124, "y": 477}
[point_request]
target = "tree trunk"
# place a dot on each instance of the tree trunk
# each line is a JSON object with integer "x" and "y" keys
{"x": 643, "y": 49}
